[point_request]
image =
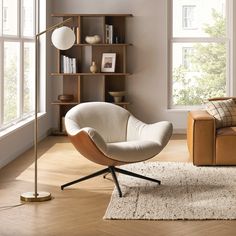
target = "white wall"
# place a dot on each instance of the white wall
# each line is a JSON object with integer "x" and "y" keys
{"x": 16, "y": 142}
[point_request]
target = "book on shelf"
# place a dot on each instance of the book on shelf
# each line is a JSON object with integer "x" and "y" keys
{"x": 74, "y": 65}
{"x": 68, "y": 65}
{"x": 76, "y": 31}
{"x": 109, "y": 34}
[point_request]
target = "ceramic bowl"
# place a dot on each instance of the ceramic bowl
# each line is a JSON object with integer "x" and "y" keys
{"x": 117, "y": 95}
{"x": 65, "y": 97}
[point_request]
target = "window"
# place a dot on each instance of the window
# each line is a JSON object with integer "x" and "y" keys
{"x": 17, "y": 65}
{"x": 187, "y": 53}
{"x": 4, "y": 17}
{"x": 188, "y": 14}
{"x": 199, "y": 57}
{"x": 10, "y": 16}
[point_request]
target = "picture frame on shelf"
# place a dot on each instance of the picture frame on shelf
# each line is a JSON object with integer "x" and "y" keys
{"x": 108, "y": 62}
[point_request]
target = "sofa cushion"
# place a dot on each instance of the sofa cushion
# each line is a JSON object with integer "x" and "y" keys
{"x": 224, "y": 112}
{"x": 228, "y": 131}
{"x": 226, "y": 148}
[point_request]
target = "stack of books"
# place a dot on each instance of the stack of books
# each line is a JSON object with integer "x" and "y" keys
{"x": 109, "y": 34}
{"x": 68, "y": 65}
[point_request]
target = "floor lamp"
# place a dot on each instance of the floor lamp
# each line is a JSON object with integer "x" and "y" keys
{"x": 63, "y": 38}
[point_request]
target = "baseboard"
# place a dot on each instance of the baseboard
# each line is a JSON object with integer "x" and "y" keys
{"x": 179, "y": 131}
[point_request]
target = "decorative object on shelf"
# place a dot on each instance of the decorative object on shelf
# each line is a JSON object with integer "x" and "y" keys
{"x": 66, "y": 97}
{"x": 117, "y": 95}
{"x": 77, "y": 35}
{"x": 108, "y": 62}
{"x": 117, "y": 40}
{"x": 93, "y": 39}
{"x": 63, "y": 38}
{"x": 93, "y": 67}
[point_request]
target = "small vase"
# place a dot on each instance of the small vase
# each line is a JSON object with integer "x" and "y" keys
{"x": 93, "y": 67}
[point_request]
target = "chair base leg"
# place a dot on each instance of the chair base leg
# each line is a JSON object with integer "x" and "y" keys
{"x": 100, "y": 172}
{"x": 113, "y": 173}
{"x": 112, "y": 170}
{"x": 126, "y": 172}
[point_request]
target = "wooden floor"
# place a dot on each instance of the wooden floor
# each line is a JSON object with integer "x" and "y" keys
{"x": 78, "y": 210}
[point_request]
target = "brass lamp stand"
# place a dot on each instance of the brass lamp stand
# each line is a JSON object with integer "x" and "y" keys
{"x": 65, "y": 42}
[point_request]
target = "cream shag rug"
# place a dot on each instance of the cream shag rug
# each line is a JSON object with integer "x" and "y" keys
{"x": 186, "y": 192}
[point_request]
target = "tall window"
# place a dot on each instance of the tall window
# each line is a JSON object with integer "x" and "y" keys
{"x": 199, "y": 57}
{"x": 4, "y": 15}
{"x": 17, "y": 65}
{"x": 188, "y": 14}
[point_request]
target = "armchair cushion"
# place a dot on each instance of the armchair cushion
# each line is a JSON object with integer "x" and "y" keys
{"x": 132, "y": 151}
{"x": 108, "y": 120}
{"x": 128, "y": 151}
{"x": 224, "y": 111}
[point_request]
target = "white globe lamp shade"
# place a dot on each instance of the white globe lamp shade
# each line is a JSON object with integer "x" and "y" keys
{"x": 63, "y": 38}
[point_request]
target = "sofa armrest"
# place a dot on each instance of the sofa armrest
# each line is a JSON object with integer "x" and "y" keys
{"x": 201, "y": 133}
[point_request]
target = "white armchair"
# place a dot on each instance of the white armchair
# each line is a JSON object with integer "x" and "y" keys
{"x": 109, "y": 135}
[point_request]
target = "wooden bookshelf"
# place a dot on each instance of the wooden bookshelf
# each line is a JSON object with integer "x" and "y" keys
{"x": 84, "y": 85}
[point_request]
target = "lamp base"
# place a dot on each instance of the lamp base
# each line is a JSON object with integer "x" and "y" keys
{"x": 30, "y": 197}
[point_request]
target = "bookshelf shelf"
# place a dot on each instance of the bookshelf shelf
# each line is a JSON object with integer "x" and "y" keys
{"x": 90, "y": 15}
{"x": 102, "y": 45}
{"x": 90, "y": 74}
{"x": 64, "y": 103}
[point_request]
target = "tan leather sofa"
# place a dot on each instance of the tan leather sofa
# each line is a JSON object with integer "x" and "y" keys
{"x": 208, "y": 145}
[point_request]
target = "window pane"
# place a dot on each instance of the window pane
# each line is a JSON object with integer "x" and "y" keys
{"x": 9, "y": 16}
{"x": 29, "y": 77}
{"x": 192, "y": 18}
{"x": 198, "y": 73}
{"x": 27, "y": 17}
{"x": 11, "y": 81}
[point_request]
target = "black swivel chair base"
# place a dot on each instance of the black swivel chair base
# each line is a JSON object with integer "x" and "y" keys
{"x": 112, "y": 170}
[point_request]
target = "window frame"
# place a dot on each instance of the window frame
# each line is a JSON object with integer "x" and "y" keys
{"x": 229, "y": 54}
{"x": 21, "y": 39}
